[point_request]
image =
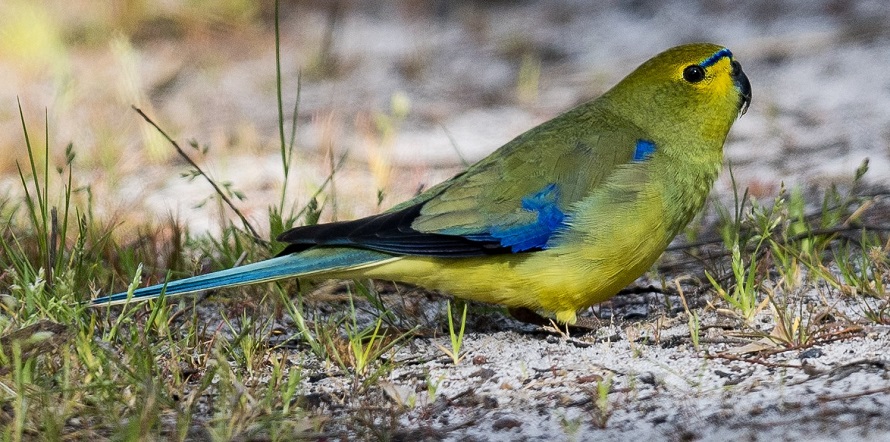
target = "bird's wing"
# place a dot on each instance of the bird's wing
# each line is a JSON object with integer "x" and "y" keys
{"x": 513, "y": 201}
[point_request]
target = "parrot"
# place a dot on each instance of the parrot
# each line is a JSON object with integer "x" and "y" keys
{"x": 558, "y": 219}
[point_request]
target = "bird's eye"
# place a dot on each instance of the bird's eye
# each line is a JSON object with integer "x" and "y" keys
{"x": 694, "y": 73}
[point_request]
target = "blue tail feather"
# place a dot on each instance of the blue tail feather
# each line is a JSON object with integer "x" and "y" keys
{"x": 310, "y": 262}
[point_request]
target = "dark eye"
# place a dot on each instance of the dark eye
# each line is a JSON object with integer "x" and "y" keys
{"x": 694, "y": 73}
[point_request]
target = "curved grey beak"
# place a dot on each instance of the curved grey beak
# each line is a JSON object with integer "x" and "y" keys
{"x": 741, "y": 82}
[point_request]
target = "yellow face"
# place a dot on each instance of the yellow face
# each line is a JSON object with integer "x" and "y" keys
{"x": 716, "y": 77}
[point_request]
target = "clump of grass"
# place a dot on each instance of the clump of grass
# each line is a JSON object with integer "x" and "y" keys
{"x": 781, "y": 258}
{"x": 456, "y": 335}
{"x": 742, "y": 293}
{"x": 162, "y": 369}
{"x": 602, "y": 408}
{"x": 358, "y": 347}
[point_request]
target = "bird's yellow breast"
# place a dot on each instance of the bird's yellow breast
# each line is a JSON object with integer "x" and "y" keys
{"x": 623, "y": 242}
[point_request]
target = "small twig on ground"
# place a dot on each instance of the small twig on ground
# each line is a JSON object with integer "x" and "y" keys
{"x": 759, "y": 361}
{"x": 843, "y": 397}
{"x": 253, "y": 233}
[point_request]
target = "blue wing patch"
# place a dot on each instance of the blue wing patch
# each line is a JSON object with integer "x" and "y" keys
{"x": 535, "y": 235}
{"x": 644, "y": 150}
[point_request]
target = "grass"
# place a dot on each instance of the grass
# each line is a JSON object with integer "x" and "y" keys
{"x": 784, "y": 260}
{"x": 173, "y": 368}
{"x": 456, "y": 336}
{"x": 163, "y": 369}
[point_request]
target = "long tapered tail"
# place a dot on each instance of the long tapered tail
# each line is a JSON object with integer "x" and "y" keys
{"x": 313, "y": 262}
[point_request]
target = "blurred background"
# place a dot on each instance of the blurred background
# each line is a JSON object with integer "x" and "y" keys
{"x": 408, "y": 91}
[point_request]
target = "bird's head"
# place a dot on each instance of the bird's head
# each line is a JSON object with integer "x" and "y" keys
{"x": 696, "y": 89}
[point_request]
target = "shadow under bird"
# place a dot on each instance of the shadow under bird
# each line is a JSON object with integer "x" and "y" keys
{"x": 558, "y": 219}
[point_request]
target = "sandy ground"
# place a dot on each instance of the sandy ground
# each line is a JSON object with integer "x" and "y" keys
{"x": 821, "y": 83}
{"x": 544, "y": 388}
{"x": 538, "y": 387}
{"x": 522, "y": 382}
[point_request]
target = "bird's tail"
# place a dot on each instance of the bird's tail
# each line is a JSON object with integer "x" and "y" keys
{"x": 312, "y": 262}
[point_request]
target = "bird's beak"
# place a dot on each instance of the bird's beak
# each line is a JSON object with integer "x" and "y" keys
{"x": 744, "y": 86}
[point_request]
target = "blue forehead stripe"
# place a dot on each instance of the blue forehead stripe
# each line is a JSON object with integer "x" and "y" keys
{"x": 716, "y": 57}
